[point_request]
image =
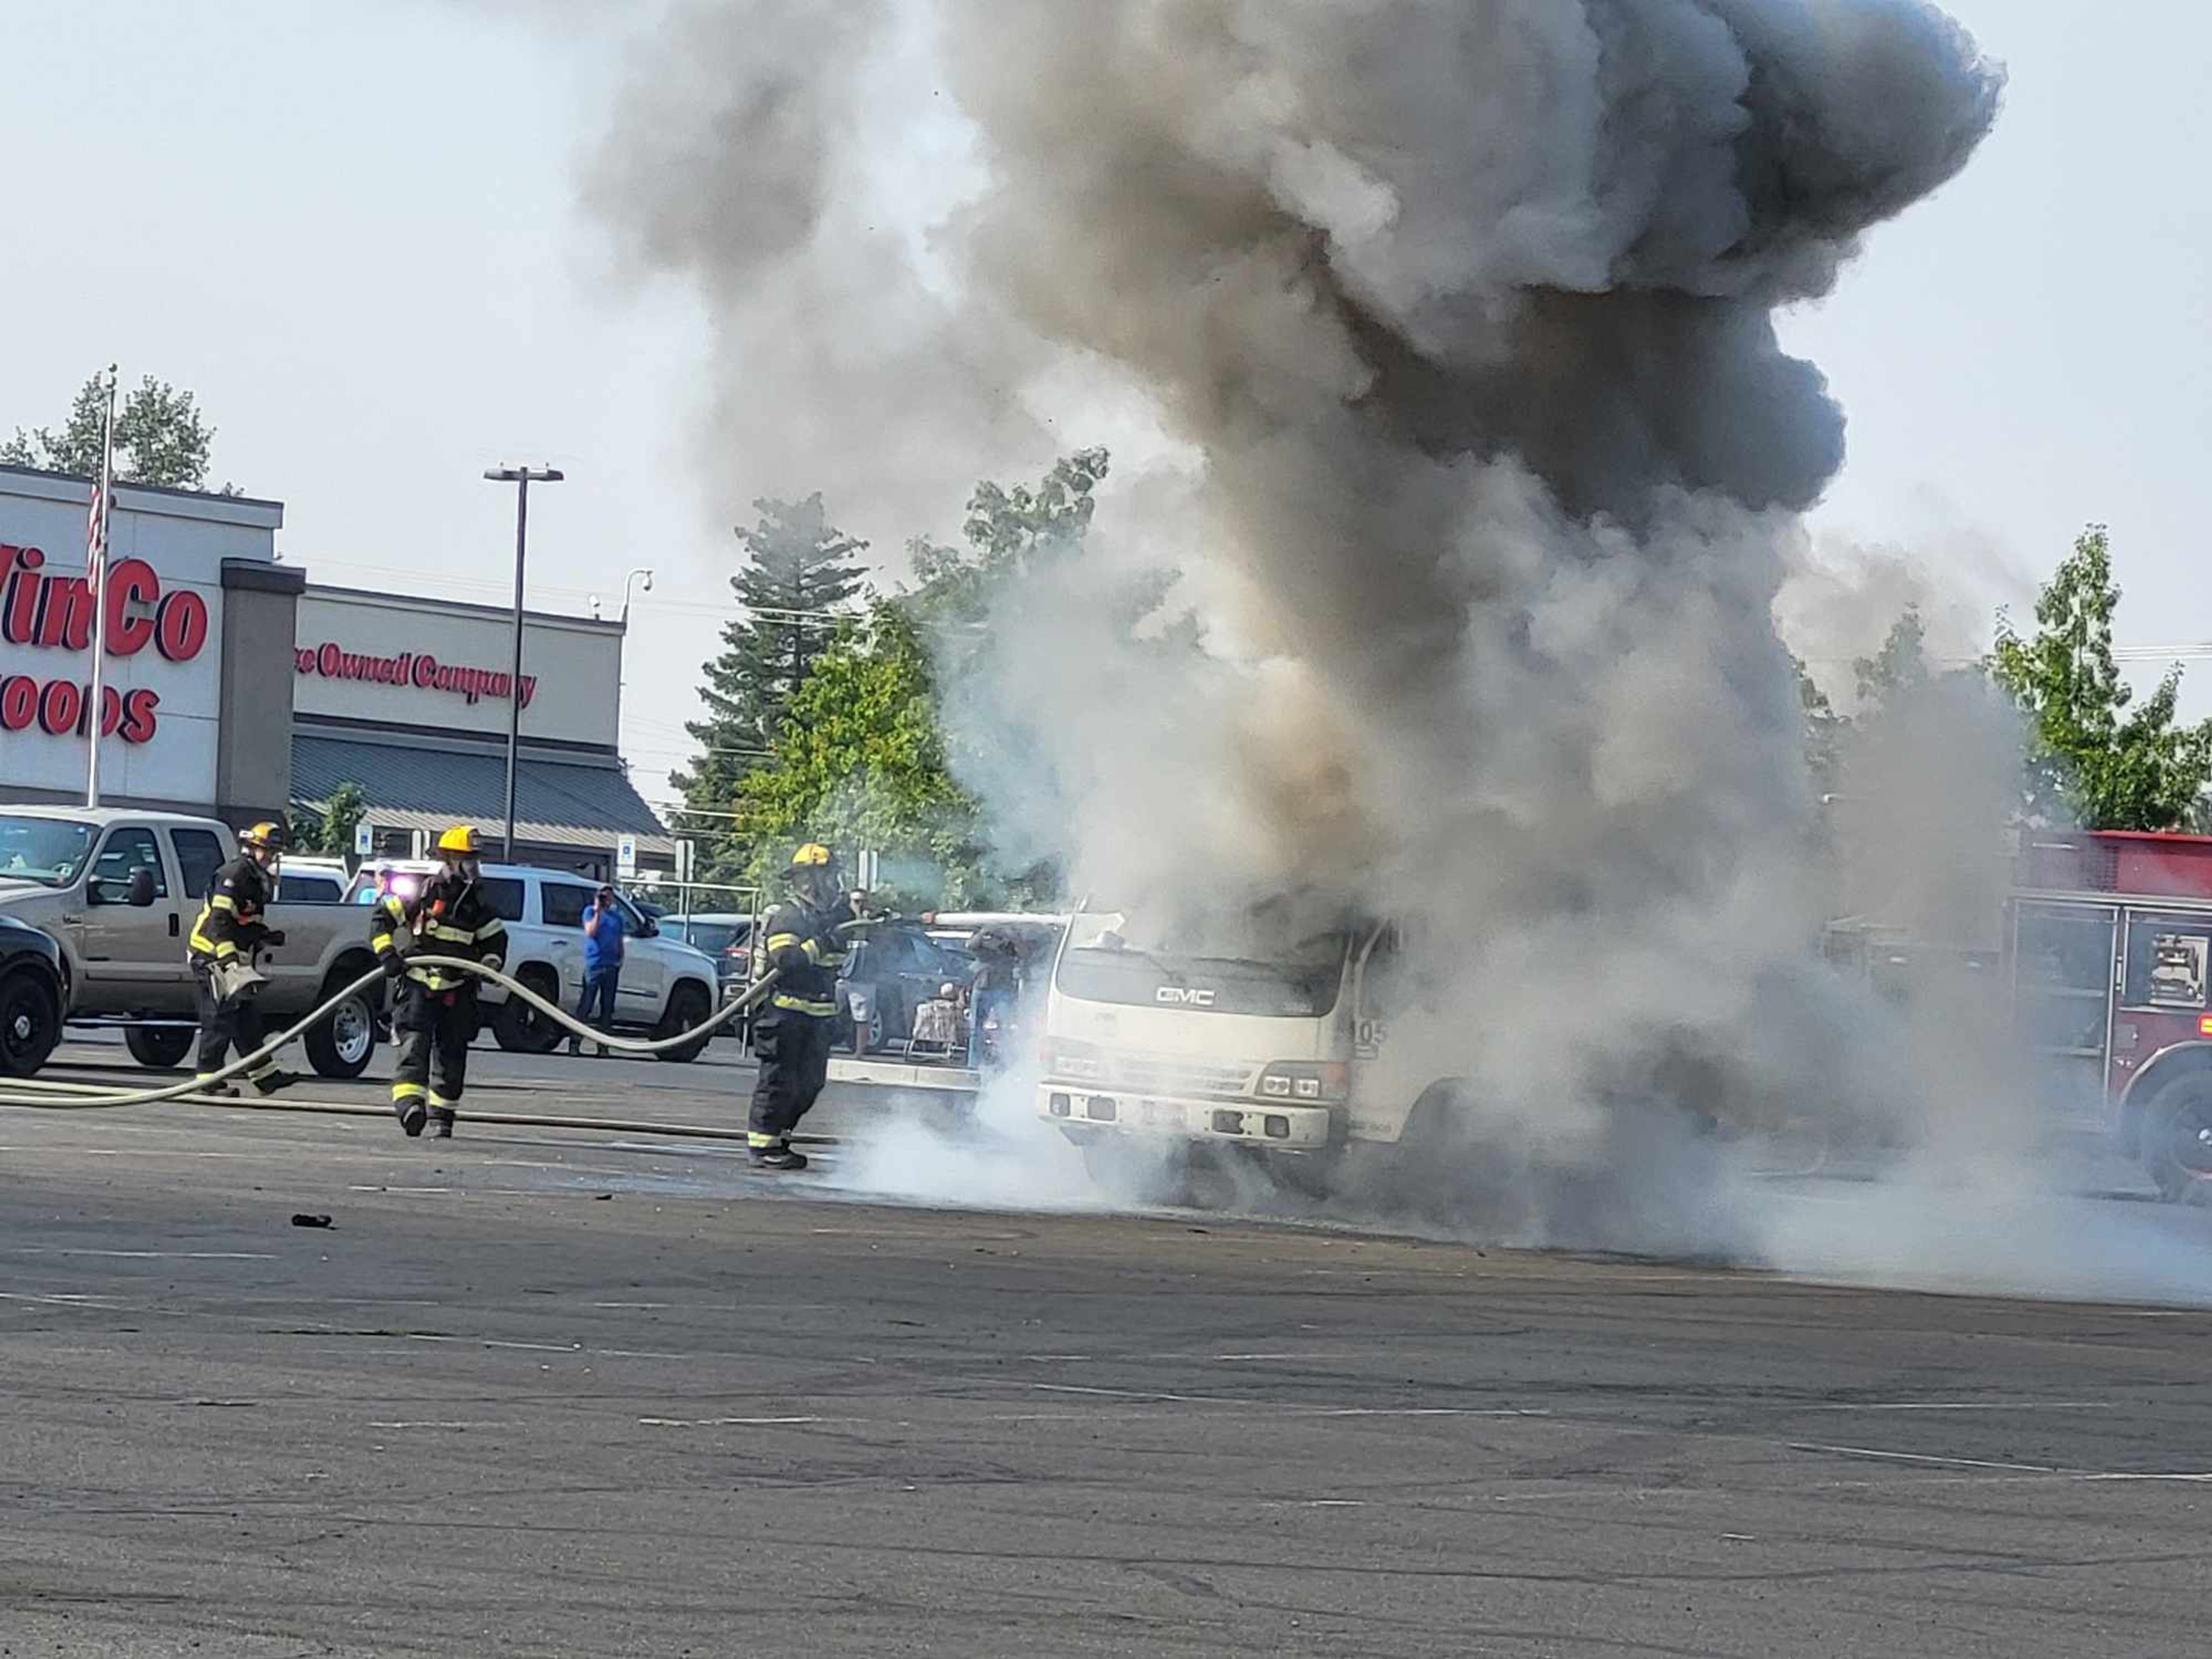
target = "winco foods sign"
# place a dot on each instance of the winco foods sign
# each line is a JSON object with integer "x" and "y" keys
{"x": 48, "y": 612}
{"x": 162, "y": 667}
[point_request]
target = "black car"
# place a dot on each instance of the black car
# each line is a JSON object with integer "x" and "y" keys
{"x": 892, "y": 970}
{"x": 32, "y": 1000}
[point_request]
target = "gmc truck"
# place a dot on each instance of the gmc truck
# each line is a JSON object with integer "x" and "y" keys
{"x": 118, "y": 891}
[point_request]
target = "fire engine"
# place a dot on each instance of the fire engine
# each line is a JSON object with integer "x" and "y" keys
{"x": 2103, "y": 956}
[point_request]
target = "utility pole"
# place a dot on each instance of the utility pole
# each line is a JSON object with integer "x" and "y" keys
{"x": 521, "y": 477}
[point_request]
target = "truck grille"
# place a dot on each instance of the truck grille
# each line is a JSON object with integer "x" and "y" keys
{"x": 1145, "y": 1074}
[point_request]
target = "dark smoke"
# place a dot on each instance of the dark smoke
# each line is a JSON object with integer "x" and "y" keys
{"x": 1465, "y": 312}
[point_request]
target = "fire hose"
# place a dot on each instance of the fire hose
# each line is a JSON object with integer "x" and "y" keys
{"x": 46, "y": 1095}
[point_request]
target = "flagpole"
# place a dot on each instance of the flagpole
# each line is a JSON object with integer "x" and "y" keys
{"x": 95, "y": 576}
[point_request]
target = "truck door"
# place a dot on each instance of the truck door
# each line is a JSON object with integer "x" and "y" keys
{"x": 2063, "y": 973}
{"x": 130, "y": 948}
{"x": 644, "y": 984}
{"x": 1378, "y": 994}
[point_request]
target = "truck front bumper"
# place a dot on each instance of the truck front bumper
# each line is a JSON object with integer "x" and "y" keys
{"x": 1084, "y": 1108}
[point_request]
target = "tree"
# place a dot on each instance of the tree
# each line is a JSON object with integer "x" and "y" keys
{"x": 2090, "y": 759}
{"x": 1006, "y": 531}
{"x": 159, "y": 438}
{"x": 861, "y": 763}
{"x": 1824, "y": 731}
{"x": 796, "y": 577}
{"x": 1897, "y": 672}
{"x": 326, "y": 831}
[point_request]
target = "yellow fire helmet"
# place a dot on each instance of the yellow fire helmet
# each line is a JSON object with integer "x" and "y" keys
{"x": 461, "y": 840}
{"x": 813, "y": 856}
{"x": 266, "y": 834}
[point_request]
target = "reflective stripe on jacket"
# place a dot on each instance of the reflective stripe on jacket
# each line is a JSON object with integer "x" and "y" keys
{"x": 807, "y": 950}
{"x": 447, "y": 918}
{"x": 230, "y": 920}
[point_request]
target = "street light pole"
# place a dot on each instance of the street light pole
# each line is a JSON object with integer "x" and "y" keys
{"x": 521, "y": 477}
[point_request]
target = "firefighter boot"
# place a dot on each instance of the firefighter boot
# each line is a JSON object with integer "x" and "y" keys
{"x": 778, "y": 1156}
{"x": 269, "y": 1083}
{"x": 441, "y": 1125}
{"x": 214, "y": 1091}
{"x": 413, "y": 1115}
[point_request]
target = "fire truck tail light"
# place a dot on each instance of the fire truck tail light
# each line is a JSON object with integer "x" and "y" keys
{"x": 2204, "y": 1026}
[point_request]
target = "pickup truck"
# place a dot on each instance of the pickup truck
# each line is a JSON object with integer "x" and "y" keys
{"x": 118, "y": 891}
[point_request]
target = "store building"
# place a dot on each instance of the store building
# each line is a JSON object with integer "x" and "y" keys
{"x": 408, "y": 698}
{"x": 233, "y": 687}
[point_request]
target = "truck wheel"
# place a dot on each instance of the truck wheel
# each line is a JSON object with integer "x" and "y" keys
{"x": 687, "y": 1006}
{"x": 521, "y": 1029}
{"x": 160, "y": 1046}
{"x": 30, "y": 1023}
{"x": 2177, "y": 1138}
{"x": 342, "y": 1044}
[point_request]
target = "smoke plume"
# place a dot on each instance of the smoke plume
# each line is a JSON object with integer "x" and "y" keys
{"x": 1461, "y": 314}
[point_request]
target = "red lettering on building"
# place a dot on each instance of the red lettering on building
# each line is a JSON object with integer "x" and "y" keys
{"x": 60, "y": 702}
{"x": 138, "y": 707}
{"x": 59, "y": 707}
{"x": 65, "y": 613}
{"x": 19, "y": 614}
{"x": 133, "y": 589}
{"x": 51, "y": 612}
{"x": 180, "y": 625}
{"x": 417, "y": 668}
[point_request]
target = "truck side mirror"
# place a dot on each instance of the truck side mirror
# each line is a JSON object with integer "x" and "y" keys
{"x": 138, "y": 891}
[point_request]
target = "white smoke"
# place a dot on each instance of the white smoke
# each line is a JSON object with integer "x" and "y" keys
{"x": 1464, "y": 309}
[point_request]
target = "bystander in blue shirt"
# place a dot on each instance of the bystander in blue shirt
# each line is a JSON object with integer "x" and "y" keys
{"x": 603, "y": 957}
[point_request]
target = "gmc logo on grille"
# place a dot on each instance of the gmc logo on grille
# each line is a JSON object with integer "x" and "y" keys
{"x": 1184, "y": 996}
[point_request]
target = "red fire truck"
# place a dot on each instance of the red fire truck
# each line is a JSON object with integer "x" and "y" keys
{"x": 2104, "y": 952}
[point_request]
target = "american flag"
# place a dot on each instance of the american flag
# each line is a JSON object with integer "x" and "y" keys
{"x": 95, "y": 543}
{"x": 95, "y": 528}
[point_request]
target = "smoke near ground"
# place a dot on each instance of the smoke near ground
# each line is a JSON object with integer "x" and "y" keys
{"x": 1463, "y": 311}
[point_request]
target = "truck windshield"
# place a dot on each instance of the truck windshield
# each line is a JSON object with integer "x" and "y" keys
{"x": 1236, "y": 971}
{"x": 47, "y": 851}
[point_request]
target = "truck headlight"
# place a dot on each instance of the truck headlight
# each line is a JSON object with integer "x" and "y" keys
{"x": 1307, "y": 1080}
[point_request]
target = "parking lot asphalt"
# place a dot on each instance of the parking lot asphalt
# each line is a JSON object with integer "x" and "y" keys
{"x": 711, "y": 1091}
{"x": 539, "y": 1393}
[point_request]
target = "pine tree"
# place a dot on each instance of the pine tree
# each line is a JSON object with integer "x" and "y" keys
{"x": 796, "y": 577}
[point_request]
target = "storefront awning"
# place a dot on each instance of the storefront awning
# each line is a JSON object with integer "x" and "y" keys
{"x": 557, "y": 802}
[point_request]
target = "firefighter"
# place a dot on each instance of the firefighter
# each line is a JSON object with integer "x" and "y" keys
{"x": 225, "y": 937}
{"x": 434, "y": 1011}
{"x": 792, "y": 1037}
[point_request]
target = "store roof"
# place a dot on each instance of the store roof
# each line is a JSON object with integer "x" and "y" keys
{"x": 556, "y": 803}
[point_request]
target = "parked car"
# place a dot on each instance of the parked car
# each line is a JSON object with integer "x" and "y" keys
{"x": 311, "y": 880}
{"x": 32, "y": 997}
{"x": 666, "y": 987}
{"x": 725, "y": 936}
{"x": 118, "y": 889}
{"x": 890, "y": 972}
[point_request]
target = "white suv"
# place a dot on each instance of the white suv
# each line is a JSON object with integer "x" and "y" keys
{"x": 666, "y": 986}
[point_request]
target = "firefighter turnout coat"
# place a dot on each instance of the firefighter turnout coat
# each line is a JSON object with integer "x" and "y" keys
{"x": 804, "y": 946}
{"x": 229, "y": 923}
{"x": 449, "y": 917}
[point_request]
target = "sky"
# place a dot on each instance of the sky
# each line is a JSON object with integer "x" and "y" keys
{"x": 357, "y": 232}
